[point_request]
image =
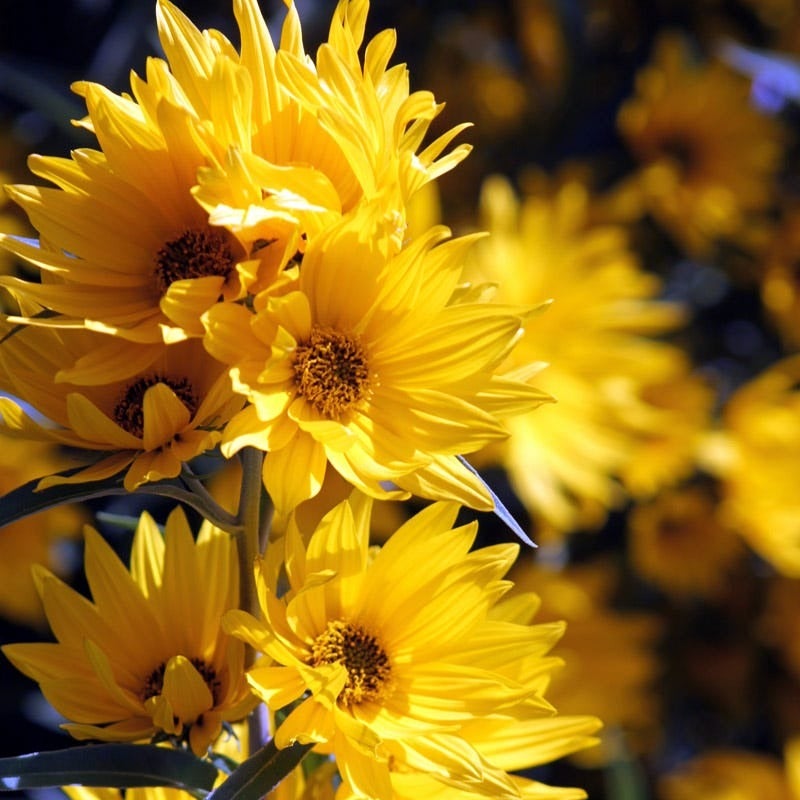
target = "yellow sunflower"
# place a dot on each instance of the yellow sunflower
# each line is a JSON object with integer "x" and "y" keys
{"x": 708, "y": 157}
{"x": 369, "y": 368}
{"x": 168, "y": 410}
{"x": 756, "y": 455}
{"x": 610, "y": 664}
{"x": 391, "y": 660}
{"x": 678, "y": 542}
{"x": 596, "y": 340}
{"x": 148, "y": 655}
{"x": 34, "y": 540}
{"x": 218, "y": 169}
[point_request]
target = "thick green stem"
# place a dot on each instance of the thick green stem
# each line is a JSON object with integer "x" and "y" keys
{"x": 254, "y": 528}
{"x": 248, "y": 540}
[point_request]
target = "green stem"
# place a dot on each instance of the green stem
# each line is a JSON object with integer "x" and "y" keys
{"x": 249, "y": 518}
{"x": 249, "y": 546}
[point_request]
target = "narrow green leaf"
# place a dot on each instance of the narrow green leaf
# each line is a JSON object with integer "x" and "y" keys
{"x": 499, "y": 508}
{"x": 111, "y": 765}
{"x": 261, "y": 773}
{"x": 25, "y": 500}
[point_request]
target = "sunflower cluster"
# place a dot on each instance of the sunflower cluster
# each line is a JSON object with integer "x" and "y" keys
{"x": 232, "y": 273}
{"x": 260, "y": 286}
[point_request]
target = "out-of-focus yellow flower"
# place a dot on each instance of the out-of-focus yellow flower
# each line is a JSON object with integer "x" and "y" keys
{"x": 779, "y": 625}
{"x": 148, "y": 655}
{"x": 780, "y": 277}
{"x": 757, "y": 457}
{"x": 33, "y": 540}
{"x": 166, "y": 411}
{"x": 395, "y": 661}
{"x": 610, "y": 665}
{"x": 727, "y": 774}
{"x": 219, "y": 168}
{"x": 594, "y": 338}
{"x": 680, "y": 410}
{"x": 678, "y": 542}
{"x": 708, "y": 157}
{"x": 370, "y": 368}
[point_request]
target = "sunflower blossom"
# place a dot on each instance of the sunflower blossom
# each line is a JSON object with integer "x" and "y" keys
{"x": 395, "y": 660}
{"x": 384, "y": 381}
{"x": 217, "y": 169}
{"x": 147, "y": 655}
{"x": 605, "y": 368}
{"x": 708, "y": 157}
{"x": 149, "y": 422}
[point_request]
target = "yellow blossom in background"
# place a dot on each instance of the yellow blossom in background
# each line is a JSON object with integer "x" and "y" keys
{"x": 779, "y": 280}
{"x": 756, "y": 455}
{"x": 147, "y": 655}
{"x": 369, "y": 368}
{"x": 708, "y": 158}
{"x": 610, "y": 663}
{"x": 35, "y": 539}
{"x": 595, "y": 337}
{"x": 727, "y": 774}
{"x": 163, "y": 413}
{"x": 779, "y": 622}
{"x": 677, "y": 542}
{"x": 393, "y": 662}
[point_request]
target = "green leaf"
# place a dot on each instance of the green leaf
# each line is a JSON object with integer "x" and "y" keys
{"x": 499, "y": 508}
{"x": 261, "y": 773}
{"x": 111, "y": 765}
{"x": 25, "y": 500}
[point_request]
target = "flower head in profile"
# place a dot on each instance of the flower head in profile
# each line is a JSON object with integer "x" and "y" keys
{"x": 147, "y": 655}
{"x": 597, "y": 338}
{"x": 370, "y": 368}
{"x": 756, "y": 455}
{"x": 708, "y": 157}
{"x": 394, "y": 662}
{"x": 149, "y": 420}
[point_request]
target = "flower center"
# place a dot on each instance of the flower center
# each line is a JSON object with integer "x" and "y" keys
{"x": 683, "y": 151}
{"x": 154, "y": 683}
{"x": 331, "y": 371}
{"x": 366, "y": 662}
{"x": 129, "y": 411}
{"x": 196, "y": 253}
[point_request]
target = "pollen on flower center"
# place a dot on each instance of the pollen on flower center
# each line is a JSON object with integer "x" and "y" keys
{"x": 129, "y": 410}
{"x": 196, "y": 253}
{"x": 154, "y": 682}
{"x": 368, "y": 667}
{"x": 331, "y": 371}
